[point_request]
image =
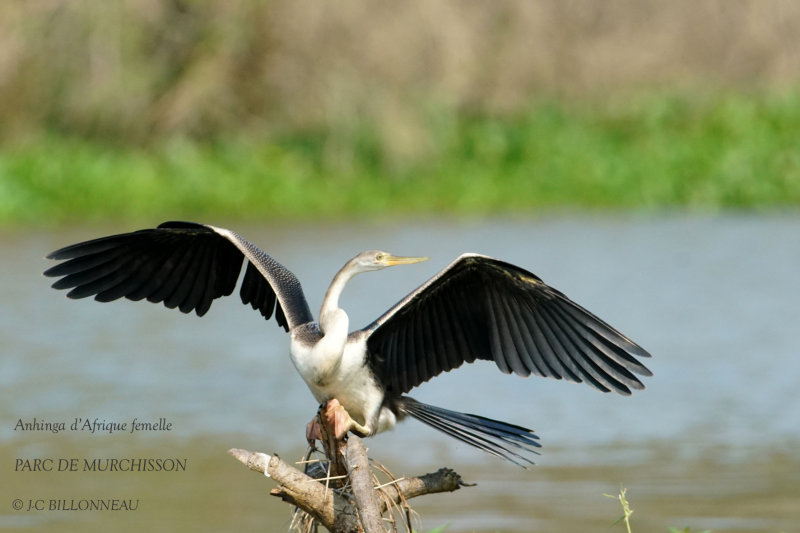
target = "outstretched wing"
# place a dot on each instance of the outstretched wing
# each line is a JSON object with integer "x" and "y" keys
{"x": 482, "y": 308}
{"x": 183, "y": 264}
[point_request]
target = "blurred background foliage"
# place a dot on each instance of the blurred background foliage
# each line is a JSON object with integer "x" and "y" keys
{"x": 140, "y": 109}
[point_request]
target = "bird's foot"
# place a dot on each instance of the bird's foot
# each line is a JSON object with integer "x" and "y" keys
{"x": 313, "y": 433}
{"x": 336, "y": 417}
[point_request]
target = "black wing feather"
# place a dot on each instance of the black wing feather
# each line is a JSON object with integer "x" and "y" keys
{"x": 483, "y": 308}
{"x": 197, "y": 288}
{"x": 182, "y": 264}
{"x": 182, "y": 279}
{"x": 257, "y": 292}
{"x": 167, "y": 276}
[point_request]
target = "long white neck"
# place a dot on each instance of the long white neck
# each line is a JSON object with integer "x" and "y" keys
{"x": 330, "y": 305}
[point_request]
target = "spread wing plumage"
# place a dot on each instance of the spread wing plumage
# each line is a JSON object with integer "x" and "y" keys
{"x": 482, "y": 308}
{"x": 183, "y": 264}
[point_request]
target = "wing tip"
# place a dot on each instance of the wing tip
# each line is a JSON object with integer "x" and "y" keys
{"x": 62, "y": 254}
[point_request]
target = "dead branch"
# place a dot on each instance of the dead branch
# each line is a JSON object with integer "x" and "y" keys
{"x": 345, "y": 499}
{"x": 369, "y": 511}
{"x": 330, "y": 507}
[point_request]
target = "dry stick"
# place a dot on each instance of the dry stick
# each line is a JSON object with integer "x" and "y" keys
{"x": 334, "y": 448}
{"x": 310, "y": 495}
{"x": 369, "y": 510}
{"x": 328, "y": 505}
{"x": 443, "y": 480}
{"x": 299, "y": 489}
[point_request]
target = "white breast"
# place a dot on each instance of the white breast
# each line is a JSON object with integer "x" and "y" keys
{"x": 347, "y": 379}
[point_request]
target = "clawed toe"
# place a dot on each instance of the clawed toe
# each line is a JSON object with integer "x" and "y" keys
{"x": 313, "y": 431}
{"x": 336, "y": 418}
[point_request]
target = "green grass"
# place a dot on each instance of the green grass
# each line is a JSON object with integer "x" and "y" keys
{"x": 626, "y": 508}
{"x": 627, "y": 512}
{"x": 655, "y": 151}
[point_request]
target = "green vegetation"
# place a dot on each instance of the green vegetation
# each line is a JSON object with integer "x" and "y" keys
{"x": 270, "y": 110}
{"x": 626, "y": 508}
{"x": 657, "y": 151}
{"x": 627, "y": 512}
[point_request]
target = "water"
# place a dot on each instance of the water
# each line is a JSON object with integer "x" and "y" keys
{"x": 712, "y": 442}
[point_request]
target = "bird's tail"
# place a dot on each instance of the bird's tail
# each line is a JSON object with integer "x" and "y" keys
{"x": 504, "y": 440}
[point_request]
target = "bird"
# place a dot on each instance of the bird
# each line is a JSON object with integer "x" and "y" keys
{"x": 476, "y": 308}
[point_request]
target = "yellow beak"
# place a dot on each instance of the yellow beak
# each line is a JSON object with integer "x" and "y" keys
{"x": 393, "y": 260}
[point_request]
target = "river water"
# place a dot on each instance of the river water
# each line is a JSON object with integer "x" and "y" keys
{"x": 712, "y": 443}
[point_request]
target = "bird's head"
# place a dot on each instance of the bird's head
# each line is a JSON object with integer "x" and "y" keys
{"x": 378, "y": 259}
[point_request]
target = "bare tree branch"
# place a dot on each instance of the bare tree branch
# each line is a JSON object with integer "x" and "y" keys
{"x": 369, "y": 510}
{"x": 338, "y": 506}
{"x": 311, "y": 495}
{"x": 296, "y": 487}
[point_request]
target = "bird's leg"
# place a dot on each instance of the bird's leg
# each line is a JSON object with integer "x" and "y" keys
{"x": 337, "y": 418}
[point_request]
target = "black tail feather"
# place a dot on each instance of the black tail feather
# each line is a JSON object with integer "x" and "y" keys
{"x": 504, "y": 440}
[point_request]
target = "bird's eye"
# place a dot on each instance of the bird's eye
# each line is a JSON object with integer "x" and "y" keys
{"x": 379, "y": 257}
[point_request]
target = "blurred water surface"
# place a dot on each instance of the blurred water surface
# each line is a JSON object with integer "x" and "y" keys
{"x": 711, "y": 443}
